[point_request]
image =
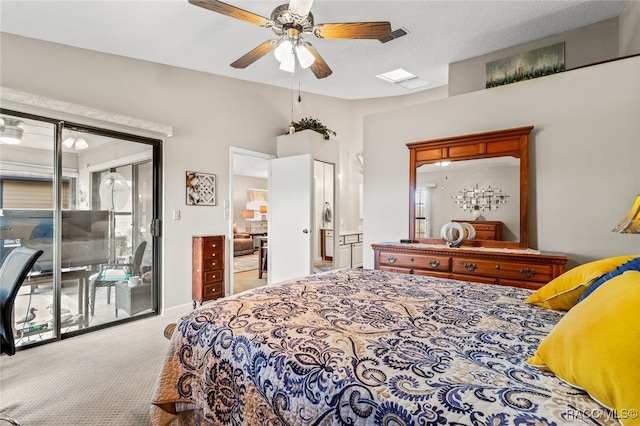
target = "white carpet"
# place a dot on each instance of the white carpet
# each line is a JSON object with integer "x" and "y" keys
{"x": 104, "y": 378}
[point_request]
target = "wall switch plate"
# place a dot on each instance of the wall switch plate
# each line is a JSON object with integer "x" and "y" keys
{"x": 176, "y": 215}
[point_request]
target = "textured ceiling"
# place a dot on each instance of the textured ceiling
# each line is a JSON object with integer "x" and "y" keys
{"x": 174, "y": 32}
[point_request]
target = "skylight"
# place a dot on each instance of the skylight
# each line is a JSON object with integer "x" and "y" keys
{"x": 403, "y": 78}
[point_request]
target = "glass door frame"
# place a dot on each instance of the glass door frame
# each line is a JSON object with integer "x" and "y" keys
{"x": 155, "y": 226}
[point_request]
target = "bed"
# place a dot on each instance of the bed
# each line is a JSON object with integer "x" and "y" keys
{"x": 363, "y": 347}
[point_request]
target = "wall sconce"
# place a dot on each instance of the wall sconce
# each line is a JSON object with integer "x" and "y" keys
{"x": 476, "y": 200}
{"x": 630, "y": 224}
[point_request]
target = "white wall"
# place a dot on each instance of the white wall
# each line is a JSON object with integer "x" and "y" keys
{"x": 208, "y": 113}
{"x": 630, "y": 29}
{"x": 583, "y": 46}
{"x": 585, "y": 152}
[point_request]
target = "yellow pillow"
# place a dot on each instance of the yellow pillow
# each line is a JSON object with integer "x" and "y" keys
{"x": 595, "y": 346}
{"x": 564, "y": 291}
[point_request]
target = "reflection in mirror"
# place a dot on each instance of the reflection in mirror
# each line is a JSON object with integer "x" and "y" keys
{"x": 441, "y": 186}
{"x": 445, "y": 173}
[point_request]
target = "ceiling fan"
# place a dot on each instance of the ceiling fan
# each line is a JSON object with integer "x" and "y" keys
{"x": 291, "y": 22}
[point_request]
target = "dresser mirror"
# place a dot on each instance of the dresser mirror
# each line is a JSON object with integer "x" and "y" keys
{"x": 479, "y": 178}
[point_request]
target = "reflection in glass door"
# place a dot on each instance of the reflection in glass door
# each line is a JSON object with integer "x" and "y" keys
{"x": 87, "y": 198}
{"x": 27, "y": 200}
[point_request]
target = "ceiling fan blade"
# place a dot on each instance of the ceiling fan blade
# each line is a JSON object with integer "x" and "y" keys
{"x": 232, "y": 11}
{"x": 300, "y": 7}
{"x": 319, "y": 67}
{"x": 255, "y": 54}
{"x": 353, "y": 30}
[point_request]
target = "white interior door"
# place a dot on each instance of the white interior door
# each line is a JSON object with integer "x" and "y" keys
{"x": 290, "y": 218}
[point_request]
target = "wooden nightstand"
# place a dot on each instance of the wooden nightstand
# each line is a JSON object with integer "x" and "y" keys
{"x": 132, "y": 299}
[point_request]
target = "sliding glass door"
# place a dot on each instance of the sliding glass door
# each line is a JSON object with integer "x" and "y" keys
{"x": 89, "y": 198}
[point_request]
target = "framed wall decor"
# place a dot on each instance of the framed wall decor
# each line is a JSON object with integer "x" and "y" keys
{"x": 201, "y": 189}
{"x": 525, "y": 66}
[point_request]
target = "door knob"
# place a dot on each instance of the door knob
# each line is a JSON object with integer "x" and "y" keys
{"x": 306, "y": 231}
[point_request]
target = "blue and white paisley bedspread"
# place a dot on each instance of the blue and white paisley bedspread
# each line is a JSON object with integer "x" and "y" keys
{"x": 362, "y": 347}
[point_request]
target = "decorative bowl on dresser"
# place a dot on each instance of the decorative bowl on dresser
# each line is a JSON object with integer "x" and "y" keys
{"x": 207, "y": 281}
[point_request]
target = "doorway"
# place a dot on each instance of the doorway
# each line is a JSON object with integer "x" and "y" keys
{"x": 248, "y": 213}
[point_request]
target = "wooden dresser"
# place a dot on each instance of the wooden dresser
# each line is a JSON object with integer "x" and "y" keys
{"x": 207, "y": 279}
{"x": 526, "y": 268}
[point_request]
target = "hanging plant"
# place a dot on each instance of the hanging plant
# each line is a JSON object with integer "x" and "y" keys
{"x": 312, "y": 124}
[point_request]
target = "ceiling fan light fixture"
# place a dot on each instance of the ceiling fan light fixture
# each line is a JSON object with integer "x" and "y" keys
{"x": 289, "y": 63}
{"x": 300, "y": 8}
{"x": 76, "y": 143}
{"x": 283, "y": 51}
{"x": 11, "y": 131}
{"x": 305, "y": 57}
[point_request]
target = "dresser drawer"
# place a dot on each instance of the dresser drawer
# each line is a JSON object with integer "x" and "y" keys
{"x": 414, "y": 261}
{"x": 212, "y": 276}
{"x": 485, "y": 235}
{"x": 213, "y": 291}
{"x": 502, "y": 269}
{"x": 212, "y": 244}
{"x": 210, "y": 260}
{"x": 209, "y": 264}
{"x": 486, "y": 230}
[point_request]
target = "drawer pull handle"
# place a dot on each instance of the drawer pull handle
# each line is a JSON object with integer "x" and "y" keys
{"x": 434, "y": 263}
{"x": 470, "y": 266}
{"x": 412, "y": 259}
{"x": 528, "y": 272}
{"x": 392, "y": 259}
{"x": 213, "y": 255}
{"x": 498, "y": 267}
{"x": 214, "y": 245}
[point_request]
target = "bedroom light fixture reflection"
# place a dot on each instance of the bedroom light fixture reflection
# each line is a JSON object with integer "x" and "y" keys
{"x": 11, "y": 131}
{"x": 630, "y": 224}
{"x": 75, "y": 143}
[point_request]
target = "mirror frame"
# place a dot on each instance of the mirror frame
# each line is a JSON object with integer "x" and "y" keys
{"x": 510, "y": 142}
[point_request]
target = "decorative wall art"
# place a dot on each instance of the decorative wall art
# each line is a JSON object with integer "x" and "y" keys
{"x": 525, "y": 66}
{"x": 201, "y": 189}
